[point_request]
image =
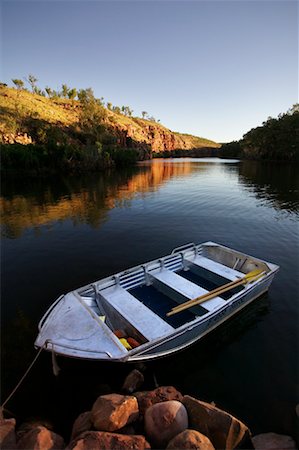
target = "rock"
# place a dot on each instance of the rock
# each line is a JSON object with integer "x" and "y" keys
{"x": 7, "y": 434}
{"x": 161, "y": 394}
{"x": 81, "y": 424}
{"x": 223, "y": 430}
{"x": 189, "y": 439}
{"x": 113, "y": 411}
{"x": 133, "y": 381}
{"x": 40, "y": 438}
{"x": 93, "y": 440}
{"x": 165, "y": 420}
{"x": 273, "y": 441}
{"x": 27, "y": 426}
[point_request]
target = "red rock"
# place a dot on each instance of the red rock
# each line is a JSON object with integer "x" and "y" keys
{"x": 133, "y": 381}
{"x": 81, "y": 424}
{"x": 273, "y": 441}
{"x": 27, "y": 426}
{"x": 100, "y": 440}
{"x": 165, "y": 420}
{"x": 113, "y": 411}
{"x": 223, "y": 430}
{"x": 7, "y": 434}
{"x": 161, "y": 394}
{"x": 190, "y": 439}
{"x": 40, "y": 438}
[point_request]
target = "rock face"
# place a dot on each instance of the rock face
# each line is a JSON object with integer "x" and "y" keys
{"x": 113, "y": 411}
{"x": 92, "y": 440}
{"x": 40, "y": 438}
{"x": 165, "y": 420}
{"x": 81, "y": 424}
{"x": 7, "y": 434}
{"x": 223, "y": 430}
{"x": 161, "y": 394}
{"x": 273, "y": 441}
{"x": 133, "y": 381}
{"x": 190, "y": 439}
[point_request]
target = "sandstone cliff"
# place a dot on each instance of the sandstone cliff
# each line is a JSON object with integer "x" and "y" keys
{"x": 24, "y": 116}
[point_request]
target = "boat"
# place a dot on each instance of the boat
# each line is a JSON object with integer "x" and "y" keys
{"x": 157, "y": 308}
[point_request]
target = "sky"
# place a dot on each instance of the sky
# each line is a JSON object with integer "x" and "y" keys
{"x": 214, "y": 69}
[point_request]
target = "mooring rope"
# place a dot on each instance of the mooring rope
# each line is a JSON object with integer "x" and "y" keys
{"x": 23, "y": 377}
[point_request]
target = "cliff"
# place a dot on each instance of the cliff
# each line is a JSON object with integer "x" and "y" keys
{"x": 27, "y": 117}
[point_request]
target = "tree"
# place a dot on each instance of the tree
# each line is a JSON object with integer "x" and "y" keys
{"x": 144, "y": 114}
{"x": 72, "y": 93}
{"x": 126, "y": 111}
{"x": 116, "y": 109}
{"x": 109, "y": 106}
{"x": 32, "y": 81}
{"x": 65, "y": 90}
{"x": 18, "y": 83}
{"x": 49, "y": 91}
{"x": 91, "y": 116}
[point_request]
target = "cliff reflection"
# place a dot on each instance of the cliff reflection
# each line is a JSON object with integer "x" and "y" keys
{"x": 81, "y": 200}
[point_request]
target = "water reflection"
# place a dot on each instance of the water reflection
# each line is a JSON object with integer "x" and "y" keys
{"x": 277, "y": 184}
{"x": 82, "y": 200}
{"x": 40, "y": 202}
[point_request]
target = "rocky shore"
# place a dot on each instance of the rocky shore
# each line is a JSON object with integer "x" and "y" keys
{"x": 162, "y": 418}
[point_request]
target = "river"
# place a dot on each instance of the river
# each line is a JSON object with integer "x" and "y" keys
{"x": 59, "y": 233}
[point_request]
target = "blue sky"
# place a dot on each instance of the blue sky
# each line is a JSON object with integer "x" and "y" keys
{"x": 209, "y": 68}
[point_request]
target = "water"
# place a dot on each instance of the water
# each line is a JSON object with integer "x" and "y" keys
{"x": 64, "y": 232}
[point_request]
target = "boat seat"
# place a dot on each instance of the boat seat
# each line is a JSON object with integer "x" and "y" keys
{"x": 140, "y": 316}
{"x": 212, "y": 266}
{"x": 182, "y": 290}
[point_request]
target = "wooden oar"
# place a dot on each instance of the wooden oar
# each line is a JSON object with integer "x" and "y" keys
{"x": 251, "y": 276}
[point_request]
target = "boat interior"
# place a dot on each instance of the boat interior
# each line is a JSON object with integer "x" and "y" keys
{"x": 133, "y": 304}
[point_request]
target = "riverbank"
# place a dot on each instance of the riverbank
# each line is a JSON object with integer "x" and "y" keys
{"x": 162, "y": 418}
{"x": 61, "y": 133}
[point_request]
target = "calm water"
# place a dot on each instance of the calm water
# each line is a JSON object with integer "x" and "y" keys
{"x": 61, "y": 233}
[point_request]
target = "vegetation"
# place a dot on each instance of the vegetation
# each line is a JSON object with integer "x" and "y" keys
{"x": 277, "y": 139}
{"x": 70, "y": 129}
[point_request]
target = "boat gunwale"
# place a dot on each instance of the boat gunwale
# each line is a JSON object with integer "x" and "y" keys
{"x": 140, "y": 270}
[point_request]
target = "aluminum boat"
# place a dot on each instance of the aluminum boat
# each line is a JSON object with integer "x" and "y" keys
{"x": 156, "y": 308}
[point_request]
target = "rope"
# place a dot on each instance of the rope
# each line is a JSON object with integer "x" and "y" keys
{"x": 23, "y": 377}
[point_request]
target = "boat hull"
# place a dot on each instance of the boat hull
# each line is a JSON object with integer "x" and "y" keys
{"x": 72, "y": 326}
{"x": 197, "y": 331}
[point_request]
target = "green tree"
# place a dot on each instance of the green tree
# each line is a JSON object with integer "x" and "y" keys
{"x": 18, "y": 83}
{"x": 109, "y": 106}
{"x": 65, "y": 90}
{"x": 144, "y": 114}
{"x": 32, "y": 80}
{"x": 72, "y": 93}
{"x": 49, "y": 91}
{"x": 91, "y": 116}
{"x": 116, "y": 109}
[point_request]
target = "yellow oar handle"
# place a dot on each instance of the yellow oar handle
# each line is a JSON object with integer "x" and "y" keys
{"x": 249, "y": 277}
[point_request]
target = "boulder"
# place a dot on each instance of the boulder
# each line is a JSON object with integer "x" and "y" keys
{"x": 40, "y": 438}
{"x": 81, "y": 424}
{"x": 161, "y": 394}
{"x": 7, "y": 433}
{"x": 190, "y": 439}
{"x": 273, "y": 441}
{"x": 27, "y": 426}
{"x": 93, "y": 440}
{"x": 165, "y": 420}
{"x": 113, "y": 411}
{"x": 223, "y": 430}
{"x": 133, "y": 381}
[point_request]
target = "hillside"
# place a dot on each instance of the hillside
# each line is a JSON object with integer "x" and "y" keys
{"x": 277, "y": 139}
{"x": 28, "y": 118}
